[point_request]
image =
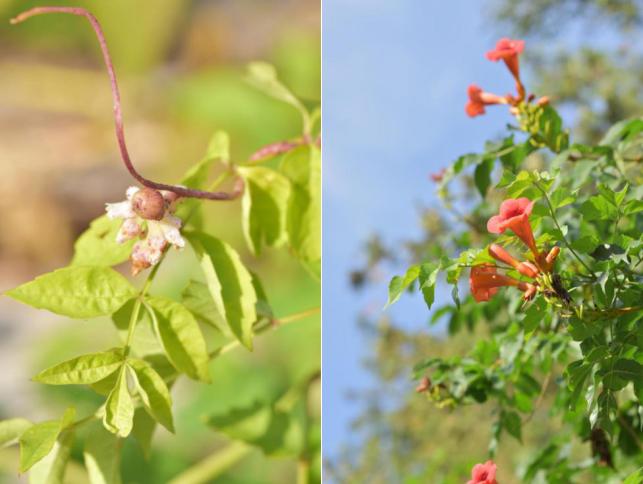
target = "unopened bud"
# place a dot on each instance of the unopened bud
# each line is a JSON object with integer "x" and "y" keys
{"x": 530, "y": 292}
{"x": 553, "y": 253}
{"x": 424, "y": 385}
{"x": 527, "y": 269}
{"x": 543, "y": 101}
{"x": 148, "y": 204}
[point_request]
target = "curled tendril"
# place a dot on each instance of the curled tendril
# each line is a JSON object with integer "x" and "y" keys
{"x": 118, "y": 116}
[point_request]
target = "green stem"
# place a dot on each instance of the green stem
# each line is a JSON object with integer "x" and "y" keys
{"x": 303, "y": 471}
{"x": 213, "y": 466}
{"x": 137, "y": 307}
{"x": 553, "y": 216}
{"x": 275, "y": 323}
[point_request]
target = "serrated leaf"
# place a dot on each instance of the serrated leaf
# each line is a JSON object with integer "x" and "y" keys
{"x": 102, "y": 455}
{"x": 119, "y": 408}
{"x": 302, "y": 166}
{"x": 97, "y": 246}
{"x": 76, "y": 292}
{"x": 11, "y": 430}
{"x": 265, "y": 207}
{"x": 83, "y": 370}
{"x": 153, "y": 392}
{"x": 229, "y": 283}
{"x": 181, "y": 337}
{"x": 428, "y": 277}
{"x": 196, "y": 297}
{"x": 399, "y": 284}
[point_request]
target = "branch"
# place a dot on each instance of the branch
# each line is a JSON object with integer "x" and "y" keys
{"x": 118, "y": 116}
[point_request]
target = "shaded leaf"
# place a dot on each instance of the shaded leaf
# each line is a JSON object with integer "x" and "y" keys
{"x": 102, "y": 455}
{"x": 119, "y": 408}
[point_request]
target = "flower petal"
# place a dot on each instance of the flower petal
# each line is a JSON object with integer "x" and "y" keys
{"x": 170, "y": 226}
{"x": 494, "y": 225}
{"x": 119, "y": 210}
{"x": 131, "y": 191}
{"x": 129, "y": 229}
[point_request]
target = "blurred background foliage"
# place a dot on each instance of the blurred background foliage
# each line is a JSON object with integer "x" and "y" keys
{"x": 401, "y": 437}
{"x": 180, "y": 65}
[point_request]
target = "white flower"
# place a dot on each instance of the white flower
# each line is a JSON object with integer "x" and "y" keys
{"x": 147, "y": 251}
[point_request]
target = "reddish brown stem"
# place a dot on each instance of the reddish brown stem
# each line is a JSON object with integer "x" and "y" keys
{"x": 118, "y": 116}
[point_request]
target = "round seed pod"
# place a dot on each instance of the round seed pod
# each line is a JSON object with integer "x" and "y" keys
{"x": 148, "y": 204}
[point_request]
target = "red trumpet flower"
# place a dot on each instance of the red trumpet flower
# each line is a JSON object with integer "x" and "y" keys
{"x": 483, "y": 473}
{"x": 525, "y": 268}
{"x": 508, "y": 50}
{"x": 484, "y": 282}
{"x": 514, "y": 215}
{"x": 478, "y": 99}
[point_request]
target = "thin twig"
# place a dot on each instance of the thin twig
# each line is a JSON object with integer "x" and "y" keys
{"x": 553, "y": 216}
{"x": 118, "y": 116}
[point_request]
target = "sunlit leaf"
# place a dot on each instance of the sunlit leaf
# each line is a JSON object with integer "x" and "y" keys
{"x": 181, "y": 337}
{"x": 77, "y": 292}
{"x": 102, "y": 454}
{"x": 84, "y": 369}
{"x": 265, "y": 207}
{"x": 229, "y": 283}
{"x": 153, "y": 392}
{"x": 97, "y": 246}
{"x": 119, "y": 408}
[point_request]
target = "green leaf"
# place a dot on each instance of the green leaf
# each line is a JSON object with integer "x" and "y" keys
{"x": 303, "y": 167}
{"x": 512, "y": 423}
{"x": 119, "y": 408}
{"x": 618, "y": 373}
{"x": 262, "y": 425}
{"x": 399, "y": 284}
{"x": 77, "y": 292}
{"x": 181, "y": 338}
{"x": 265, "y": 207}
{"x": 427, "y": 278}
{"x": 11, "y": 430}
{"x": 598, "y": 208}
{"x": 38, "y": 440}
{"x": 82, "y": 370}
{"x": 102, "y": 455}
{"x": 143, "y": 431}
{"x": 97, "y": 246}
{"x": 196, "y": 297}
{"x": 229, "y": 283}
{"x": 153, "y": 392}
{"x": 197, "y": 176}
{"x": 482, "y": 176}
{"x": 635, "y": 477}
{"x": 264, "y": 77}
{"x": 51, "y": 469}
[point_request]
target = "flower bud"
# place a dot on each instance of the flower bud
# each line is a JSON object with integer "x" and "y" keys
{"x": 148, "y": 204}
{"x": 553, "y": 253}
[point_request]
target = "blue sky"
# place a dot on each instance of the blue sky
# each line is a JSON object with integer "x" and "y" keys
{"x": 395, "y": 75}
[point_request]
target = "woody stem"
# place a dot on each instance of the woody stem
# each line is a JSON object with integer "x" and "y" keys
{"x": 118, "y": 116}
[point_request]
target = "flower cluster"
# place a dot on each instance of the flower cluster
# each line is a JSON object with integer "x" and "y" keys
{"x": 508, "y": 51}
{"x": 148, "y": 215}
{"x": 483, "y": 473}
{"x": 485, "y": 280}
